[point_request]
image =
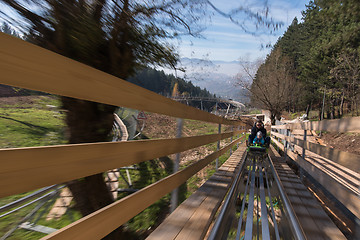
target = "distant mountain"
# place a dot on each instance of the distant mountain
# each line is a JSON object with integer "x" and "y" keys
{"x": 218, "y": 77}
{"x": 220, "y": 84}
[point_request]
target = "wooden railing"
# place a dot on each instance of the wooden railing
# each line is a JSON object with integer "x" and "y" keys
{"x": 28, "y": 66}
{"x": 337, "y": 171}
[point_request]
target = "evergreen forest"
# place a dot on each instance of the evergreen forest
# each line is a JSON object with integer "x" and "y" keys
{"x": 315, "y": 64}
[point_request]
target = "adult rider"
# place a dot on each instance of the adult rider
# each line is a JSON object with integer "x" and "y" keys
{"x": 258, "y": 127}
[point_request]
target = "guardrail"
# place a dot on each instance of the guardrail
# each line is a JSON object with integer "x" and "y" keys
{"x": 28, "y": 66}
{"x": 337, "y": 171}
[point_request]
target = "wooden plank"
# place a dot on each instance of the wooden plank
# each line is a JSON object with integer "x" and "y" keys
{"x": 317, "y": 224}
{"x": 61, "y": 204}
{"x": 337, "y": 125}
{"x": 25, "y": 65}
{"x": 313, "y": 219}
{"x": 100, "y": 223}
{"x": 345, "y": 159}
{"x": 174, "y": 223}
{"x": 192, "y": 218}
{"x": 343, "y": 175}
{"x": 199, "y": 223}
{"x": 44, "y": 166}
{"x": 37, "y": 228}
{"x": 343, "y": 194}
{"x": 301, "y": 132}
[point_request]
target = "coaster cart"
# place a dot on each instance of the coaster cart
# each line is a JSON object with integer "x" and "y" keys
{"x": 257, "y": 151}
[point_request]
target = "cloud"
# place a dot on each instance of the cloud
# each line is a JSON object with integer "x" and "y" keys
{"x": 226, "y": 41}
{"x": 220, "y": 52}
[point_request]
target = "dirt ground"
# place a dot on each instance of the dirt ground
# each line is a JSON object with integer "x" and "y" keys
{"x": 21, "y": 100}
{"x": 348, "y": 142}
{"x": 161, "y": 126}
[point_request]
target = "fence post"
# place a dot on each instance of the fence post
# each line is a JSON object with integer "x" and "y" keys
{"x": 175, "y": 192}
{"x": 286, "y": 145}
{"x": 303, "y": 155}
{"x": 218, "y": 148}
{"x": 278, "y": 147}
{"x": 303, "y": 151}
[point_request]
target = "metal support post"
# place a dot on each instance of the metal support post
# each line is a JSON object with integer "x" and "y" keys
{"x": 227, "y": 110}
{"x": 175, "y": 192}
{"x": 237, "y": 145}
{"x": 218, "y": 148}
{"x": 231, "y": 139}
{"x": 129, "y": 177}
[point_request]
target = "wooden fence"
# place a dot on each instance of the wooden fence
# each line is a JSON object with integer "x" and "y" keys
{"x": 337, "y": 171}
{"x": 28, "y": 66}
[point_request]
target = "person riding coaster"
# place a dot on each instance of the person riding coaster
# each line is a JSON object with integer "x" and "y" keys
{"x": 258, "y": 144}
{"x": 258, "y": 127}
{"x": 259, "y": 139}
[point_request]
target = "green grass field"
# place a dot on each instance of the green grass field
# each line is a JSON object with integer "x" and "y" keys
{"x": 31, "y": 121}
{"x": 36, "y": 124}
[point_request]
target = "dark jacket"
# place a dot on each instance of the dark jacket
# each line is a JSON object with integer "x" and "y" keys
{"x": 254, "y": 130}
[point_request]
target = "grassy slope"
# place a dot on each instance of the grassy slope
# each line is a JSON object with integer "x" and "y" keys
{"x": 31, "y": 124}
{"x": 25, "y": 123}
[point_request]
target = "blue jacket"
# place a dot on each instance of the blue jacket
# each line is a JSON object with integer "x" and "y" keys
{"x": 261, "y": 141}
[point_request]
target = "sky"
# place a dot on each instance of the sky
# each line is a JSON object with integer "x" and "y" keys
{"x": 225, "y": 41}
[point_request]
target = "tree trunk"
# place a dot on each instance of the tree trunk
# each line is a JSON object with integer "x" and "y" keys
{"x": 332, "y": 114}
{"x": 89, "y": 122}
{"x": 308, "y": 110}
{"x": 341, "y": 107}
{"x": 273, "y": 118}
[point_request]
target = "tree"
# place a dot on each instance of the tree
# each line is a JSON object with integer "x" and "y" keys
{"x": 319, "y": 48}
{"x": 332, "y": 29}
{"x": 273, "y": 85}
{"x": 347, "y": 72}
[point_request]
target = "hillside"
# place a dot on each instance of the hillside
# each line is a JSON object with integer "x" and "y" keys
{"x": 159, "y": 82}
